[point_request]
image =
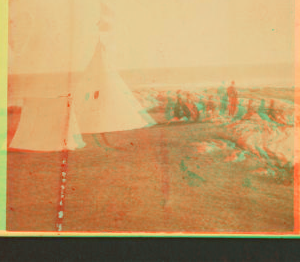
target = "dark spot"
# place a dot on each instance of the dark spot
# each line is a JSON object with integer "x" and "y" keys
{"x": 12, "y": 209}
{"x": 73, "y": 188}
{"x": 96, "y": 94}
{"x": 131, "y": 143}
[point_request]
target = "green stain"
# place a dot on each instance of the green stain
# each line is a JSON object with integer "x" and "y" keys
{"x": 163, "y": 202}
{"x": 271, "y": 172}
{"x": 247, "y": 182}
{"x": 241, "y": 157}
{"x": 229, "y": 143}
{"x": 98, "y": 144}
{"x": 183, "y": 167}
{"x": 79, "y": 141}
{"x": 195, "y": 176}
{"x": 262, "y": 152}
{"x": 194, "y": 179}
{"x": 87, "y": 96}
{"x": 187, "y": 158}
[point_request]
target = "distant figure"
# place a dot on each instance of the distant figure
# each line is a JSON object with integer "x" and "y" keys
{"x": 192, "y": 108}
{"x": 223, "y": 100}
{"x": 170, "y": 107}
{"x": 271, "y": 111}
{"x": 242, "y": 111}
{"x": 181, "y": 110}
{"x": 178, "y": 109}
{"x": 201, "y": 107}
{"x": 263, "y": 112}
{"x": 250, "y": 110}
{"x": 233, "y": 100}
{"x": 210, "y": 107}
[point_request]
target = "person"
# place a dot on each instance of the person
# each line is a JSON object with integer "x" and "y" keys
{"x": 210, "y": 107}
{"x": 233, "y": 100}
{"x": 178, "y": 113}
{"x": 223, "y": 100}
{"x": 201, "y": 107}
{"x": 250, "y": 110}
{"x": 192, "y": 108}
{"x": 263, "y": 112}
{"x": 181, "y": 110}
{"x": 169, "y": 110}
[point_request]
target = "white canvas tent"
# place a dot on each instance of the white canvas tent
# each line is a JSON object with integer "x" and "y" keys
{"x": 47, "y": 124}
{"x": 103, "y": 101}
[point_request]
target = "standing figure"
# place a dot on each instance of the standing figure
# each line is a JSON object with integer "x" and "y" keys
{"x": 233, "y": 100}
{"x": 223, "y": 100}
{"x": 192, "y": 108}
{"x": 210, "y": 107}
{"x": 250, "y": 110}
{"x": 169, "y": 110}
{"x": 201, "y": 107}
{"x": 178, "y": 112}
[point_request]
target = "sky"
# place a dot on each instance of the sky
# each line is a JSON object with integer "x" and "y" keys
{"x": 60, "y": 35}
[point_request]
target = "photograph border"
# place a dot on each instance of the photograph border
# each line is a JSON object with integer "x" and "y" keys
{"x": 3, "y": 156}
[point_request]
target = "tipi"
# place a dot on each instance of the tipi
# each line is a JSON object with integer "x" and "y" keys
{"x": 47, "y": 124}
{"x": 103, "y": 101}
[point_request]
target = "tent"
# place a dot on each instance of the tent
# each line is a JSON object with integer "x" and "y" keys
{"x": 47, "y": 124}
{"x": 103, "y": 101}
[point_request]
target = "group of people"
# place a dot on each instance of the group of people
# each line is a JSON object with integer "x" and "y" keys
{"x": 191, "y": 110}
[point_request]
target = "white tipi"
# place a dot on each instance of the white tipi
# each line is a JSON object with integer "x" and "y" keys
{"x": 103, "y": 101}
{"x": 47, "y": 124}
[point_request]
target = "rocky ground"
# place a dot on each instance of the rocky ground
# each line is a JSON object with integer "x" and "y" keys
{"x": 216, "y": 174}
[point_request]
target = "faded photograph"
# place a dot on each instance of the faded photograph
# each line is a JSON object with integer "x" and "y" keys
{"x": 151, "y": 116}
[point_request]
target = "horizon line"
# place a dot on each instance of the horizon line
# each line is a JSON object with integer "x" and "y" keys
{"x": 167, "y": 67}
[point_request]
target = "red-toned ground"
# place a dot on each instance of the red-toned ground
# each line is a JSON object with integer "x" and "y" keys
{"x": 169, "y": 178}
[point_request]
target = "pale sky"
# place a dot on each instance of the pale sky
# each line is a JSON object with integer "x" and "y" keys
{"x": 151, "y": 33}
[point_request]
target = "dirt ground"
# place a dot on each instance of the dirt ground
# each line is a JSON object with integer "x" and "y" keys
{"x": 148, "y": 180}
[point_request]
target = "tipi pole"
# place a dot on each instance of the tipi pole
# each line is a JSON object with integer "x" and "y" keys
{"x": 65, "y": 154}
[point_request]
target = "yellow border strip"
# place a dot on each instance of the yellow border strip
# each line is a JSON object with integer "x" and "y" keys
{"x": 3, "y": 108}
